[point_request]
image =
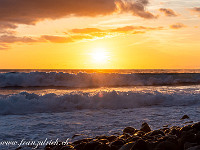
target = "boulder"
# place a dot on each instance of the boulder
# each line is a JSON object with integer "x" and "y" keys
{"x": 185, "y": 117}
{"x": 129, "y": 130}
{"x": 145, "y": 128}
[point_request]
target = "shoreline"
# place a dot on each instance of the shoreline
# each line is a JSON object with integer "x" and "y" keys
{"x": 173, "y": 138}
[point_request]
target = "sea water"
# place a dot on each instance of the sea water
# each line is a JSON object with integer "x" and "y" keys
{"x": 60, "y": 104}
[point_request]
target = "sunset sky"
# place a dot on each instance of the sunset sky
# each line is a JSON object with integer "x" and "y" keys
{"x": 96, "y": 34}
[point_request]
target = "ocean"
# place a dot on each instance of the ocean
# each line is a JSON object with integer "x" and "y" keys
{"x": 72, "y": 104}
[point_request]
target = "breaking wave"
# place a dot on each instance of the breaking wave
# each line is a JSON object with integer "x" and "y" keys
{"x": 83, "y": 80}
{"x": 25, "y": 103}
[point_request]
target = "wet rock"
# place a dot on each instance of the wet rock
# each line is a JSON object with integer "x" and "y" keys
{"x": 194, "y": 148}
{"x": 198, "y": 137}
{"x": 188, "y": 122}
{"x": 185, "y": 117}
{"x": 174, "y": 130}
{"x": 101, "y": 137}
{"x": 186, "y": 128}
{"x": 139, "y": 133}
{"x": 124, "y": 136}
{"x": 140, "y": 145}
{"x": 103, "y": 141}
{"x": 117, "y": 144}
{"x": 186, "y": 136}
{"x": 166, "y": 145}
{"x": 196, "y": 126}
{"x": 112, "y": 138}
{"x": 80, "y": 146}
{"x": 91, "y": 146}
{"x": 129, "y": 130}
{"x": 156, "y": 132}
{"x": 81, "y": 141}
{"x": 103, "y": 147}
{"x": 68, "y": 147}
{"x": 145, "y": 128}
{"x": 188, "y": 145}
{"x": 127, "y": 146}
{"x": 133, "y": 138}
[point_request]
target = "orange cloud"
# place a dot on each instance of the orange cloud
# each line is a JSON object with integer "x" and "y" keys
{"x": 177, "y": 26}
{"x": 75, "y": 35}
{"x": 119, "y": 30}
{"x": 86, "y": 30}
{"x": 56, "y": 39}
{"x": 168, "y": 12}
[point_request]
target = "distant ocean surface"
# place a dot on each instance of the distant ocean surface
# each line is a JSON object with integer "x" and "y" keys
{"x": 39, "y": 104}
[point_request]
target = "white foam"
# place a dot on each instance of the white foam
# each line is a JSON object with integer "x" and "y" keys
{"x": 24, "y": 103}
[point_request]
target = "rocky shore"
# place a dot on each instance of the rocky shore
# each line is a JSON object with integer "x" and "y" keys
{"x": 173, "y": 138}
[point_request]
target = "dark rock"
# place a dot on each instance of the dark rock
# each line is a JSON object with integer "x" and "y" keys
{"x": 117, "y": 144}
{"x": 140, "y": 145}
{"x": 145, "y": 128}
{"x": 68, "y": 147}
{"x": 170, "y": 138}
{"x": 166, "y": 145}
{"x": 156, "y": 132}
{"x": 174, "y": 130}
{"x": 196, "y": 126}
{"x": 198, "y": 137}
{"x": 111, "y": 138}
{"x": 139, "y": 133}
{"x": 133, "y": 138}
{"x": 124, "y": 136}
{"x": 188, "y": 145}
{"x": 80, "y": 146}
{"x": 185, "y": 117}
{"x": 127, "y": 146}
{"x": 91, "y": 146}
{"x": 129, "y": 130}
{"x": 194, "y": 148}
{"x": 103, "y": 141}
{"x": 186, "y": 136}
{"x": 188, "y": 122}
{"x": 186, "y": 128}
{"x": 166, "y": 131}
{"x": 81, "y": 141}
{"x": 103, "y": 147}
{"x": 101, "y": 137}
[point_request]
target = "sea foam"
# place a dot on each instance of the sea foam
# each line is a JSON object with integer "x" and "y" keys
{"x": 25, "y": 103}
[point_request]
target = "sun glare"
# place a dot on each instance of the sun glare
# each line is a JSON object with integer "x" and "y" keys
{"x": 100, "y": 55}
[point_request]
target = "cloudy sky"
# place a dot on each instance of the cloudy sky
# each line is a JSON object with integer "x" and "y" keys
{"x": 84, "y": 34}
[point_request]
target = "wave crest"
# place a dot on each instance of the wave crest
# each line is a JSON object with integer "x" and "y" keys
{"x": 83, "y": 80}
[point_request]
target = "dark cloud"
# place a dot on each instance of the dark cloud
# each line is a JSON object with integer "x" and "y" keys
{"x": 15, "y": 12}
{"x": 168, "y": 12}
{"x": 177, "y": 26}
{"x": 137, "y": 8}
{"x": 13, "y": 39}
{"x": 195, "y": 9}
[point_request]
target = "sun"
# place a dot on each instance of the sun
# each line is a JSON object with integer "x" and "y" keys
{"x": 100, "y": 55}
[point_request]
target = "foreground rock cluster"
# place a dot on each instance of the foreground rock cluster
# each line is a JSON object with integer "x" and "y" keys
{"x": 174, "y": 138}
